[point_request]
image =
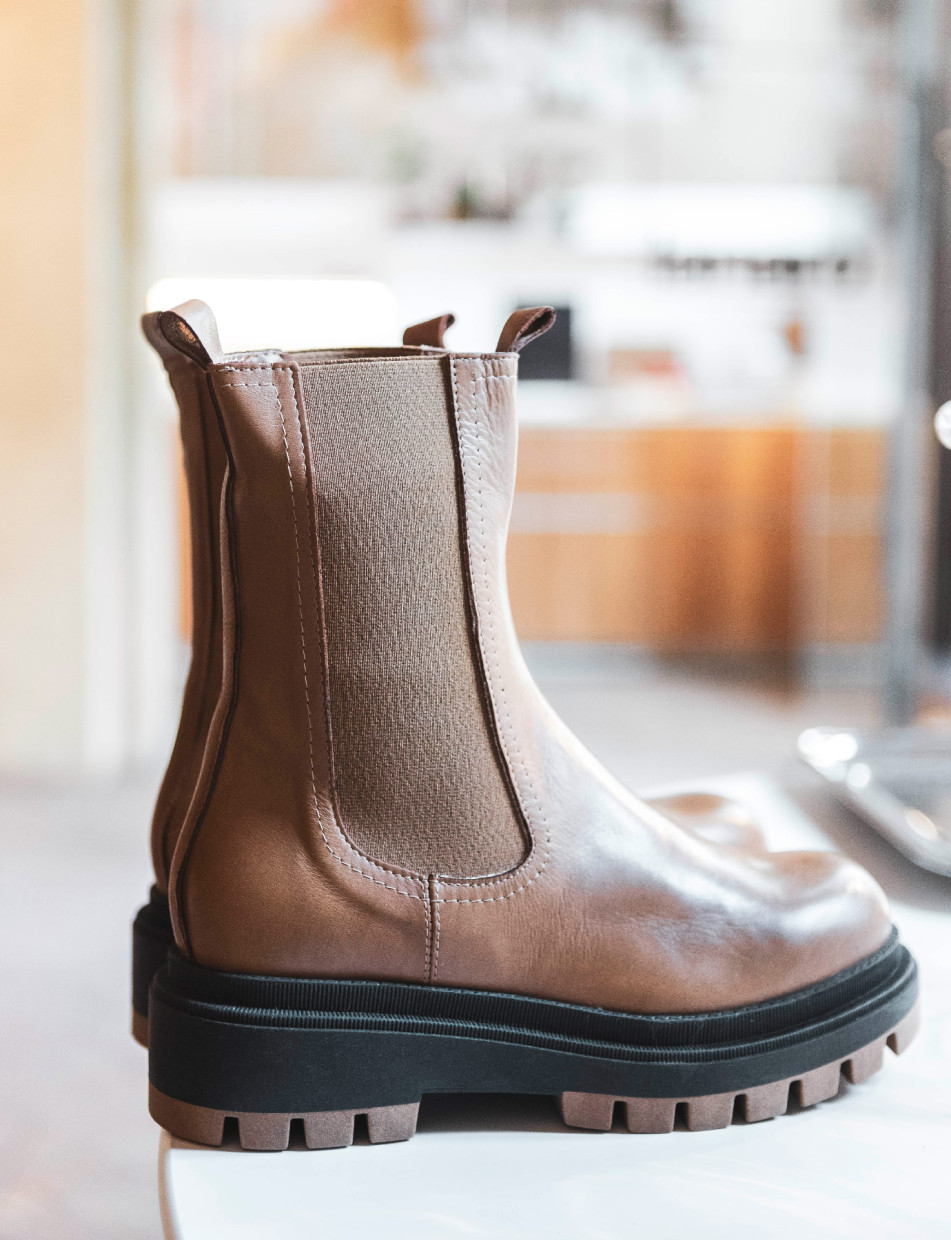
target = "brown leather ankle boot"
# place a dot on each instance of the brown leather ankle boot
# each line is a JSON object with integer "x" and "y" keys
{"x": 398, "y": 871}
{"x": 713, "y": 817}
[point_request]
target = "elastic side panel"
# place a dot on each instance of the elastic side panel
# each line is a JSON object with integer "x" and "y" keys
{"x": 418, "y": 778}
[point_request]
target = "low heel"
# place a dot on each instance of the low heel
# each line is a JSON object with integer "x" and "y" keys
{"x": 210, "y": 1064}
{"x": 271, "y": 1130}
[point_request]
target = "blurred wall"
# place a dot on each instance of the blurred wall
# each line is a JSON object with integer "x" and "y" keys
{"x": 60, "y": 496}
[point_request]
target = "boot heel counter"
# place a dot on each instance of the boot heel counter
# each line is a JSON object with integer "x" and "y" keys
{"x": 203, "y": 463}
{"x": 262, "y": 878}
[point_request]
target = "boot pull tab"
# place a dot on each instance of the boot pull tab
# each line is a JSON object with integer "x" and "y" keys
{"x": 153, "y": 334}
{"x": 429, "y": 334}
{"x": 523, "y": 326}
{"x": 191, "y": 329}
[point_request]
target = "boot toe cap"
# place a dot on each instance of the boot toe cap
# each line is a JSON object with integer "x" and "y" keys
{"x": 837, "y": 915}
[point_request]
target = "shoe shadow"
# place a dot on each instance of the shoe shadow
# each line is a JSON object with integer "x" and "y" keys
{"x": 489, "y": 1113}
{"x": 531, "y": 1113}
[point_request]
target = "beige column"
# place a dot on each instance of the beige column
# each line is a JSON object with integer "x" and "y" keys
{"x": 64, "y": 441}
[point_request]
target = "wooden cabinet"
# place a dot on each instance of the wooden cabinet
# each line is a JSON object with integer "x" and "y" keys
{"x": 712, "y": 539}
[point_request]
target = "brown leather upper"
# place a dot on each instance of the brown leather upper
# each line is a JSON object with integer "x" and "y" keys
{"x": 186, "y": 339}
{"x": 430, "y": 334}
{"x": 612, "y": 904}
{"x": 204, "y": 462}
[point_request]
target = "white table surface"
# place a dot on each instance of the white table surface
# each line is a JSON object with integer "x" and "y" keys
{"x": 874, "y": 1162}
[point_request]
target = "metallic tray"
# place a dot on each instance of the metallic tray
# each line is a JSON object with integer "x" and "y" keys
{"x": 898, "y": 779}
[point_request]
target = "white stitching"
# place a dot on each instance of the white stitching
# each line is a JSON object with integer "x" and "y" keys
{"x": 427, "y": 962}
{"x": 477, "y": 429}
{"x": 434, "y": 896}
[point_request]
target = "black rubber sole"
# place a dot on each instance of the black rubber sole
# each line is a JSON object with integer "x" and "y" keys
{"x": 152, "y": 939}
{"x": 278, "y": 1048}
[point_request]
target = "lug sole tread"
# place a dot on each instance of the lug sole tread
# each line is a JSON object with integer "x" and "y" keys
{"x": 334, "y": 1129}
{"x": 711, "y": 1111}
{"x": 322, "y": 1130}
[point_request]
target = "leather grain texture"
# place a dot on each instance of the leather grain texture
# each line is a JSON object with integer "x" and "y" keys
{"x": 615, "y": 905}
{"x": 364, "y": 519}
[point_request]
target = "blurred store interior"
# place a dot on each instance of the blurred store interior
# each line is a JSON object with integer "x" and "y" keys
{"x": 720, "y": 199}
{"x": 731, "y": 519}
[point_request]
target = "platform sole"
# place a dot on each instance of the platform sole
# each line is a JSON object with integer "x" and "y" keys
{"x": 262, "y": 1130}
{"x": 283, "y": 1054}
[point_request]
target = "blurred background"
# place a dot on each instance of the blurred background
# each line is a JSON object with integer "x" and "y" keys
{"x": 730, "y": 518}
